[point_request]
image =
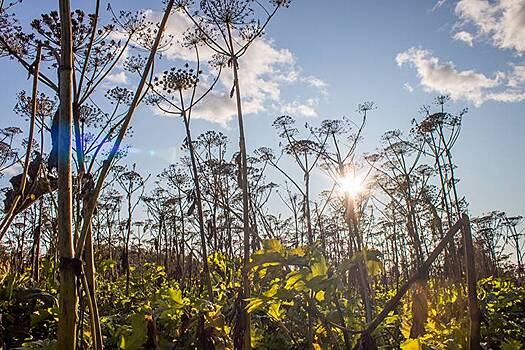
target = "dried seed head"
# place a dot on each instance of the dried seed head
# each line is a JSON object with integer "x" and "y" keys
{"x": 174, "y": 79}
{"x": 120, "y": 95}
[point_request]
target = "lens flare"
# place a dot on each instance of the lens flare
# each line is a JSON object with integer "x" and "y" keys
{"x": 351, "y": 184}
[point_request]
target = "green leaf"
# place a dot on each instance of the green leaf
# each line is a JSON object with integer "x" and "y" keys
{"x": 272, "y": 291}
{"x": 122, "y": 343}
{"x": 254, "y": 304}
{"x": 275, "y": 312}
{"x": 319, "y": 267}
{"x": 107, "y": 264}
{"x": 176, "y": 296}
{"x": 138, "y": 335}
{"x": 511, "y": 344}
{"x": 299, "y": 251}
{"x": 317, "y": 283}
{"x": 270, "y": 258}
{"x": 320, "y": 295}
{"x": 411, "y": 344}
{"x": 374, "y": 267}
{"x": 294, "y": 278}
{"x": 273, "y": 245}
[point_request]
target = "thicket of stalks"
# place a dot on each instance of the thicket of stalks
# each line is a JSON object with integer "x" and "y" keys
{"x": 231, "y": 248}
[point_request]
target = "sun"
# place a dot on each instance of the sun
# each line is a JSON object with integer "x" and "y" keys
{"x": 351, "y": 184}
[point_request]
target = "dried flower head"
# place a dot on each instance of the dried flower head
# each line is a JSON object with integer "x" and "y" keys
{"x": 134, "y": 64}
{"x": 48, "y": 28}
{"x": 174, "y": 79}
{"x": 193, "y": 37}
{"x": 14, "y": 41}
{"x": 45, "y": 105}
{"x": 11, "y": 131}
{"x": 119, "y": 95}
{"x": 219, "y": 61}
{"x": 366, "y": 106}
{"x": 91, "y": 115}
{"x": 232, "y": 12}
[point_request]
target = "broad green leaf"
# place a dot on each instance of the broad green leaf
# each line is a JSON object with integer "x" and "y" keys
{"x": 293, "y": 278}
{"x": 391, "y": 318}
{"x": 299, "y": 251}
{"x": 411, "y": 344}
{"x": 319, "y": 267}
{"x": 317, "y": 283}
{"x": 138, "y": 335}
{"x": 256, "y": 336}
{"x": 266, "y": 259}
{"x": 176, "y": 297}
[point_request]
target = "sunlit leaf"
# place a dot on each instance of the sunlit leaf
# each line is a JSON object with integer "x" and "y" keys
{"x": 275, "y": 312}
{"x": 319, "y": 267}
{"x": 411, "y": 344}
{"x": 254, "y": 304}
{"x": 273, "y": 245}
{"x": 320, "y": 295}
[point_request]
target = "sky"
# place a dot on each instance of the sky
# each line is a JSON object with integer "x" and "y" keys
{"x": 320, "y": 59}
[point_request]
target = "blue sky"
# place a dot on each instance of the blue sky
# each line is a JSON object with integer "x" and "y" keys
{"x": 321, "y": 58}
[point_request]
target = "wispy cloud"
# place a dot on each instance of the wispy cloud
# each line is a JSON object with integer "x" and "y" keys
{"x": 408, "y": 87}
{"x": 445, "y": 78}
{"x": 438, "y": 5}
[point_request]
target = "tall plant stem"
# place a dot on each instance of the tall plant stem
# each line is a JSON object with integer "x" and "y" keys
{"x": 245, "y": 195}
{"x": 122, "y": 132}
{"x": 67, "y": 321}
{"x": 90, "y": 292}
{"x": 8, "y": 218}
{"x": 470, "y": 268}
{"x": 198, "y": 197}
{"x": 245, "y": 207}
{"x": 362, "y": 265}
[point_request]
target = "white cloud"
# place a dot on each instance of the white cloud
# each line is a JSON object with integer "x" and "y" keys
{"x": 219, "y": 108}
{"x": 13, "y": 170}
{"x": 502, "y": 21}
{"x": 263, "y": 72}
{"x": 517, "y": 77}
{"x": 445, "y": 78}
{"x": 317, "y": 83}
{"x": 464, "y": 36}
{"x": 507, "y": 95}
{"x": 408, "y": 87}
{"x": 306, "y": 109}
{"x": 117, "y": 79}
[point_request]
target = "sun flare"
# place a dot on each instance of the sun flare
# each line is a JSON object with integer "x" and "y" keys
{"x": 352, "y": 184}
